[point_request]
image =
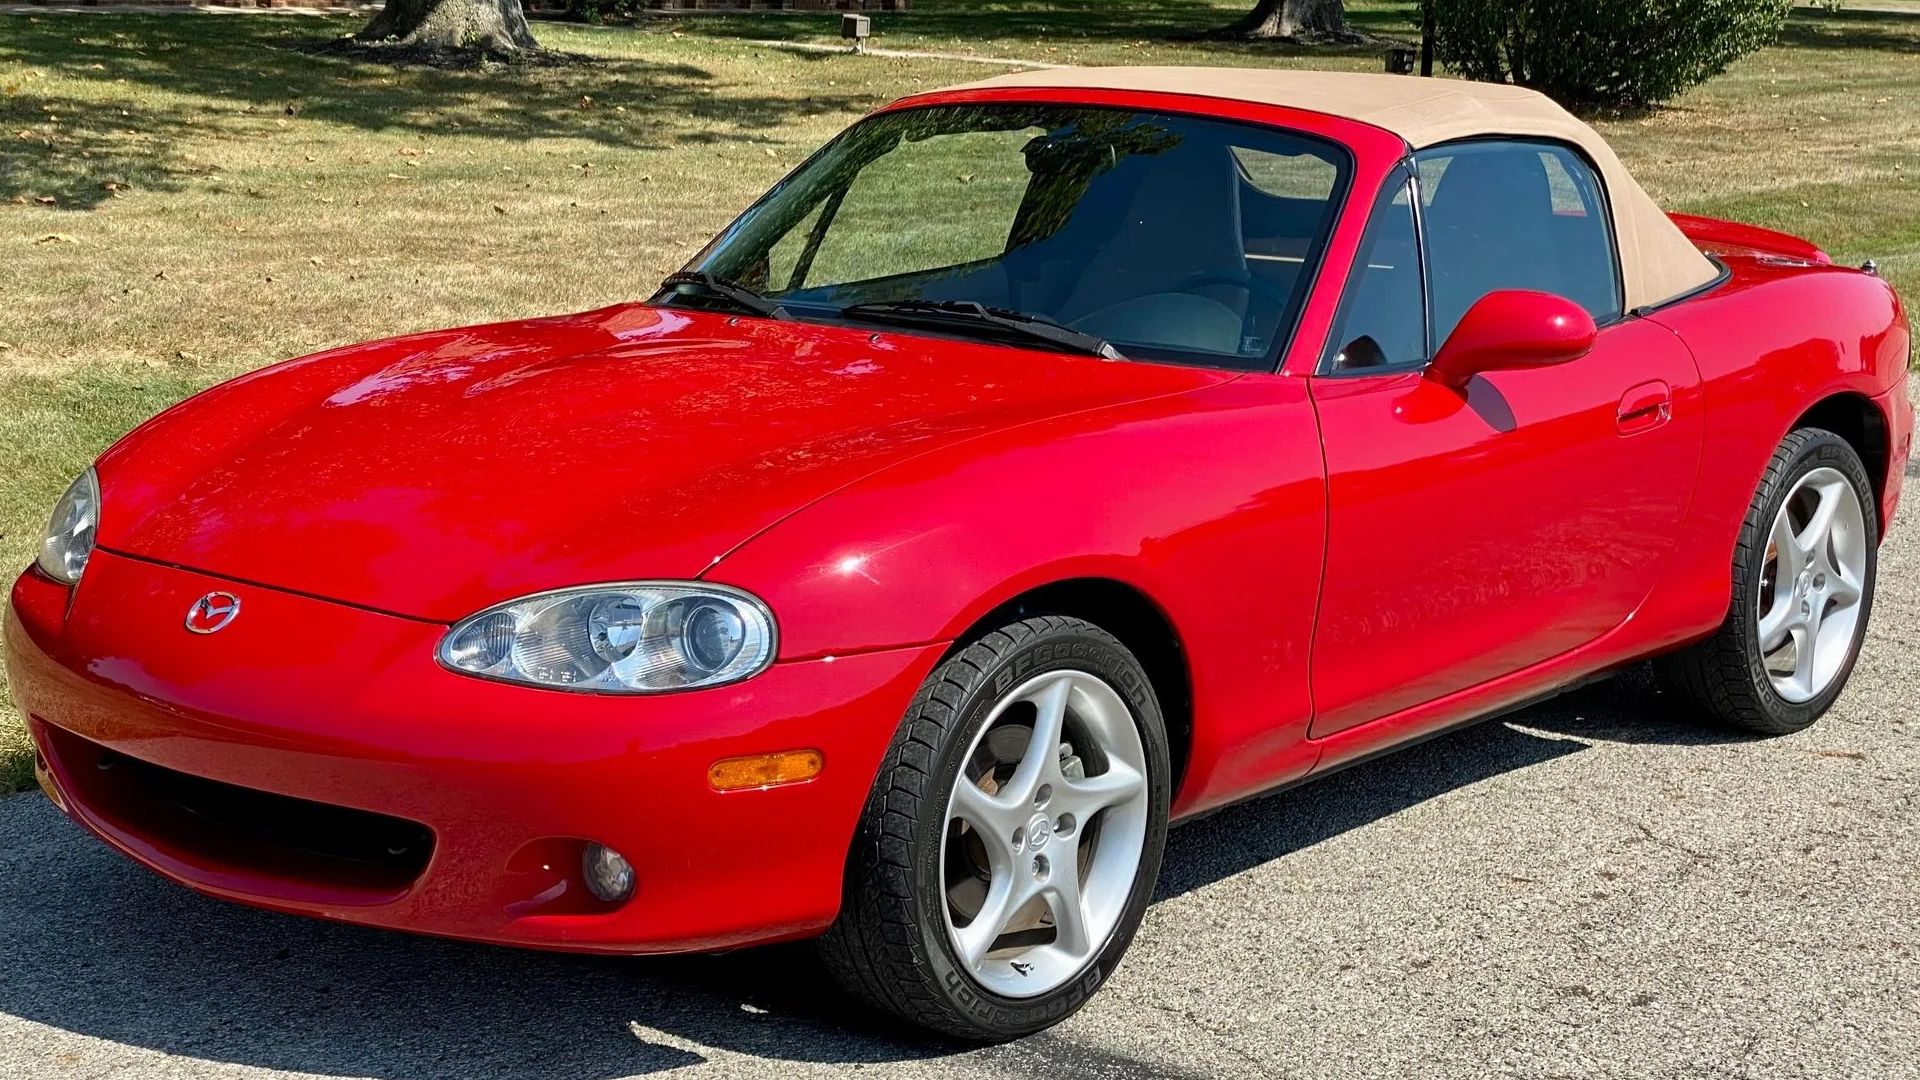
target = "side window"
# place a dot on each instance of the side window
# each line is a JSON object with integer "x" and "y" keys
{"x": 1514, "y": 215}
{"x": 1382, "y": 321}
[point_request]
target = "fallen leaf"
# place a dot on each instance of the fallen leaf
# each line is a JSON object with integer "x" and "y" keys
{"x": 397, "y": 176}
{"x": 498, "y": 209}
{"x": 58, "y": 238}
{"x": 46, "y": 200}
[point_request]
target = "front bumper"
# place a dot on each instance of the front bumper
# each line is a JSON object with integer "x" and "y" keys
{"x": 346, "y": 710}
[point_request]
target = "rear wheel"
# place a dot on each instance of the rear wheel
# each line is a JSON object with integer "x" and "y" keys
{"x": 1013, "y": 836}
{"x": 1803, "y": 579}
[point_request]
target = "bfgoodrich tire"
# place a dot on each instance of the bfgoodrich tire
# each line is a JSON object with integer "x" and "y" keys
{"x": 1803, "y": 577}
{"x": 1012, "y": 838}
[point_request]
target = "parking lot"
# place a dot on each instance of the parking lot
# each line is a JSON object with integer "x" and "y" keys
{"x": 1590, "y": 888}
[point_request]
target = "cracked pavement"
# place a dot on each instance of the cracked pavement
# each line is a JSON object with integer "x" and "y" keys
{"x": 1594, "y": 887}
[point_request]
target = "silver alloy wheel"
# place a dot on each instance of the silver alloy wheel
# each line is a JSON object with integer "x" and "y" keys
{"x": 1044, "y": 833}
{"x": 1812, "y": 584}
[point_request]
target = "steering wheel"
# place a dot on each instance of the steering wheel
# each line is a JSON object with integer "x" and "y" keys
{"x": 1247, "y": 282}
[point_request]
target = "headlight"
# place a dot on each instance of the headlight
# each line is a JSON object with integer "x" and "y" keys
{"x": 68, "y": 541}
{"x": 628, "y": 638}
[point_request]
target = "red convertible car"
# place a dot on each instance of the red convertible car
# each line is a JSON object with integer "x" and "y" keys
{"x": 1042, "y": 461}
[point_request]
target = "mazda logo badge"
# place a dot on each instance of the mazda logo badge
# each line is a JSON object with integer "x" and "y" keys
{"x": 211, "y": 613}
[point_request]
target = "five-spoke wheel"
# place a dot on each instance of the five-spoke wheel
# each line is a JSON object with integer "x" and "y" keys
{"x": 1013, "y": 836}
{"x": 1810, "y": 591}
{"x": 1044, "y": 832}
{"x": 1802, "y": 586}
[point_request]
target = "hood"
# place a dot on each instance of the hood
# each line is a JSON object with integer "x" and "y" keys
{"x": 434, "y": 475}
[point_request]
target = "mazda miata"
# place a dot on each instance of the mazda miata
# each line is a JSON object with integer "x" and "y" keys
{"x": 1042, "y": 461}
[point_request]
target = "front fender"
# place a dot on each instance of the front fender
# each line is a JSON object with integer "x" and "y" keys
{"x": 1212, "y": 503}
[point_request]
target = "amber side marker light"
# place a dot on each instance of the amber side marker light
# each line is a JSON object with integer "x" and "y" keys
{"x": 766, "y": 770}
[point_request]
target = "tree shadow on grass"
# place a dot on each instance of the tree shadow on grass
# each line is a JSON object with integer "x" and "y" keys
{"x": 1048, "y": 21}
{"x": 101, "y": 948}
{"x": 185, "y": 75}
{"x": 1885, "y": 31}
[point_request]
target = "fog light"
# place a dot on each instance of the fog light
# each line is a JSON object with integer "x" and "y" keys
{"x": 609, "y": 875}
{"x": 766, "y": 770}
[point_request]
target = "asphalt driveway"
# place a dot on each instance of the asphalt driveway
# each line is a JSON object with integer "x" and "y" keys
{"x": 1590, "y": 888}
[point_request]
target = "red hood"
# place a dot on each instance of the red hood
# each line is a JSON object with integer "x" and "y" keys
{"x": 438, "y": 474}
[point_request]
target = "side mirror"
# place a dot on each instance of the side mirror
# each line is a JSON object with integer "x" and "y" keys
{"x": 1513, "y": 328}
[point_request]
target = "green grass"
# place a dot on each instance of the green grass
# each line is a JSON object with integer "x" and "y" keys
{"x": 217, "y": 200}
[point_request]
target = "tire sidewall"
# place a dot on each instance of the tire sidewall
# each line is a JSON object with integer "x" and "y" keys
{"x": 1078, "y": 649}
{"x": 1821, "y": 449}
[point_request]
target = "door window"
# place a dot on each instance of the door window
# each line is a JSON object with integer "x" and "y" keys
{"x": 1514, "y": 215}
{"x": 1383, "y": 317}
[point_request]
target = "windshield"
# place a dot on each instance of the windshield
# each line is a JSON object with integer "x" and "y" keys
{"x": 1172, "y": 237}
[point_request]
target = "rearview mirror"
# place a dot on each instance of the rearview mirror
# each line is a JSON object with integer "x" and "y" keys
{"x": 1513, "y": 328}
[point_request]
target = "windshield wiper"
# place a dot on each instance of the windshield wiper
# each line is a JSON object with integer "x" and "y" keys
{"x": 1019, "y": 323}
{"x": 732, "y": 290}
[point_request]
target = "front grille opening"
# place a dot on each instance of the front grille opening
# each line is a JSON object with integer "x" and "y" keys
{"x": 225, "y": 827}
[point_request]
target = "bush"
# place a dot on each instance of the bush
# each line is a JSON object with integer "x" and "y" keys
{"x": 598, "y": 11}
{"x": 1602, "y": 52}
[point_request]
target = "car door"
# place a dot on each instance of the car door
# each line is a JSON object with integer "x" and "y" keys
{"x": 1474, "y": 533}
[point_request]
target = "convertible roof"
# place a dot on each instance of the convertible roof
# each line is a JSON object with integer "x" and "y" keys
{"x": 1658, "y": 262}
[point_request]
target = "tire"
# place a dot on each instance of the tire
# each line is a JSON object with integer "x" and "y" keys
{"x": 896, "y": 944}
{"x": 1727, "y": 676}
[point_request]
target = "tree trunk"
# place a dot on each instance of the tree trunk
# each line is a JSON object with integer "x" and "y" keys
{"x": 491, "y": 25}
{"x": 1295, "y": 20}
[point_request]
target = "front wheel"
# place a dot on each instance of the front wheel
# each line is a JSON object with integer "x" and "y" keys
{"x": 1803, "y": 576}
{"x": 1013, "y": 837}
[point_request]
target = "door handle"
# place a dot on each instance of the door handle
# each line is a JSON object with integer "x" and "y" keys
{"x": 1644, "y": 408}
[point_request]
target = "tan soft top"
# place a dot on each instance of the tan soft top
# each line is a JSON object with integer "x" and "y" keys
{"x": 1657, "y": 261}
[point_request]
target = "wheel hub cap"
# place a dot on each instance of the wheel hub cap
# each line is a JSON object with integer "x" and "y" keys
{"x": 1039, "y": 831}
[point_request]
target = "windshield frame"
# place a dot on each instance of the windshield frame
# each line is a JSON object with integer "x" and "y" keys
{"x": 1286, "y": 330}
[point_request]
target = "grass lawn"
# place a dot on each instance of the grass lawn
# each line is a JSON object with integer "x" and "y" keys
{"x": 183, "y": 198}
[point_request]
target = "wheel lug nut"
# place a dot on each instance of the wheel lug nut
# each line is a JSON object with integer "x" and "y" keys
{"x": 1040, "y": 867}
